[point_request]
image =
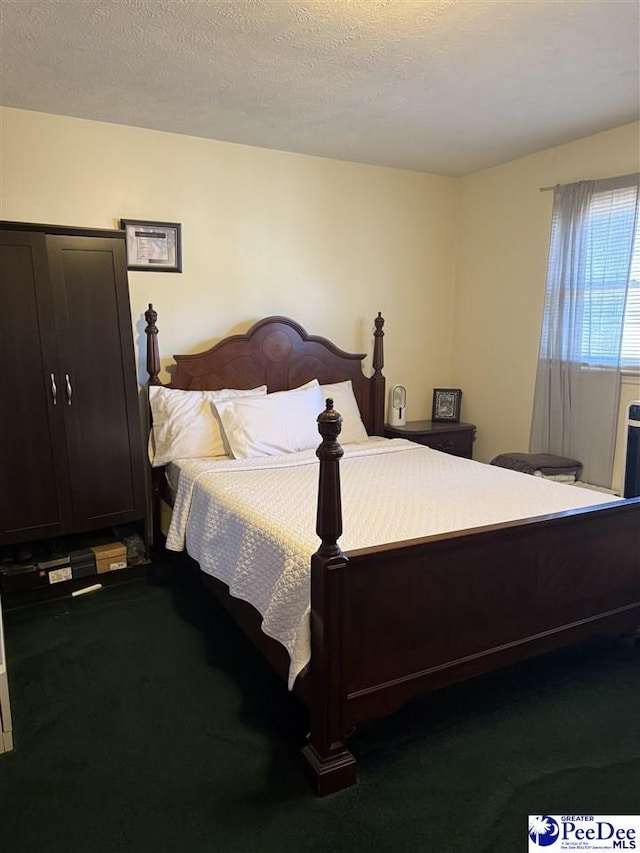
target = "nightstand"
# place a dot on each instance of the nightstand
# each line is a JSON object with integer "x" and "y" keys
{"x": 454, "y": 438}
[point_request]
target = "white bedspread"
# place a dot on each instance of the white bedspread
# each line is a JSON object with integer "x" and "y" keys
{"x": 251, "y": 523}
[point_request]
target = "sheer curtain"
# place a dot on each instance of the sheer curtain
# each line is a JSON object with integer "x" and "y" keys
{"x": 578, "y": 378}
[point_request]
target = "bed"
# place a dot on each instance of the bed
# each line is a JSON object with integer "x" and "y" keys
{"x": 396, "y": 618}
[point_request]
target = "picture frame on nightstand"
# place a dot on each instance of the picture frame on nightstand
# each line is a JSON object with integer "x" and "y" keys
{"x": 446, "y": 404}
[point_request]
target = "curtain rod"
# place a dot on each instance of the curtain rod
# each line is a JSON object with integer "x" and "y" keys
{"x": 616, "y": 178}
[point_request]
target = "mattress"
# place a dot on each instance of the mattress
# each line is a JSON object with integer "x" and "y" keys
{"x": 251, "y": 523}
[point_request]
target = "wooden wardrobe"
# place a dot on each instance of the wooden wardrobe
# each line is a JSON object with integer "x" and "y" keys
{"x": 71, "y": 452}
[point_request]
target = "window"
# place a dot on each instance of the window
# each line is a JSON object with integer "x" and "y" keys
{"x": 630, "y": 356}
{"x": 591, "y": 322}
{"x": 605, "y": 313}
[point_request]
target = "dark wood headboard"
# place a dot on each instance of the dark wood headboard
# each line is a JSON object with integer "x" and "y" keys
{"x": 279, "y": 353}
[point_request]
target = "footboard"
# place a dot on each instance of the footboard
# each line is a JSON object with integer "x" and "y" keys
{"x": 391, "y": 622}
{"x": 423, "y": 614}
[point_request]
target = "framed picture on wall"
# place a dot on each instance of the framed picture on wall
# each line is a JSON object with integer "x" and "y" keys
{"x": 446, "y": 404}
{"x": 153, "y": 246}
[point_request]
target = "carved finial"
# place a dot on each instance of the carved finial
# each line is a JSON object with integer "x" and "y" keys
{"x": 329, "y": 426}
{"x": 150, "y": 315}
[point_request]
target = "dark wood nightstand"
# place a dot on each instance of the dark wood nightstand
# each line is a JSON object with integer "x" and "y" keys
{"x": 454, "y": 438}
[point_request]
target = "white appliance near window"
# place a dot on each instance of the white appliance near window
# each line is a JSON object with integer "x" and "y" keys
{"x": 632, "y": 456}
{"x": 6, "y": 729}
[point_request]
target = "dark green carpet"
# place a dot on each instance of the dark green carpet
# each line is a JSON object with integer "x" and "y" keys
{"x": 144, "y": 721}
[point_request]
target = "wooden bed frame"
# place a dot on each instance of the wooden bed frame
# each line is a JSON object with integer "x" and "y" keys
{"x": 390, "y": 622}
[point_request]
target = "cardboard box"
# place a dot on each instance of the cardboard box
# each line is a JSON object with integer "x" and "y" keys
{"x": 110, "y": 557}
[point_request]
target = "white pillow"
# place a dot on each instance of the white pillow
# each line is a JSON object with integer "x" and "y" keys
{"x": 283, "y": 422}
{"x": 344, "y": 402}
{"x": 184, "y": 424}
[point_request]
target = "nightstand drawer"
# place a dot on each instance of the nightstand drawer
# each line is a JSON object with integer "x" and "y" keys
{"x": 456, "y": 443}
{"x": 454, "y": 438}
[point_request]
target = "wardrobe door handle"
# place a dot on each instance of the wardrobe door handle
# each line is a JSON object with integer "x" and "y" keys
{"x": 54, "y": 390}
{"x": 69, "y": 388}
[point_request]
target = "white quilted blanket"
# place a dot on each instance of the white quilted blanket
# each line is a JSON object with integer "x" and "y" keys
{"x": 251, "y": 523}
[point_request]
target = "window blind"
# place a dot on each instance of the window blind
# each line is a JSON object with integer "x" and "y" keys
{"x": 630, "y": 355}
{"x": 612, "y": 214}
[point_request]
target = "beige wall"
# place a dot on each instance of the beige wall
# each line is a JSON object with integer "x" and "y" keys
{"x": 264, "y": 232}
{"x": 500, "y": 281}
{"x": 330, "y": 244}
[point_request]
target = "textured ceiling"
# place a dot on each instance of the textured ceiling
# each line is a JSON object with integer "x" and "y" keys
{"x": 442, "y": 86}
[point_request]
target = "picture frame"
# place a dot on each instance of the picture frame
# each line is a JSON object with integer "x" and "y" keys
{"x": 446, "y": 404}
{"x": 153, "y": 246}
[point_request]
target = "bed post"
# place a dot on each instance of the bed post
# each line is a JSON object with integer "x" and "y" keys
{"x": 153, "y": 356}
{"x": 153, "y": 369}
{"x": 329, "y": 762}
{"x": 377, "y": 395}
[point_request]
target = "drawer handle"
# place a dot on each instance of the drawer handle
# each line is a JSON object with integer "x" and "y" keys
{"x": 445, "y": 446}
{"x": 54, "y": 390}
{"x": 69, "y": 388}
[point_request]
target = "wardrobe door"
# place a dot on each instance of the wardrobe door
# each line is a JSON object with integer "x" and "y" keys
{"x": 99, "y": 387}
{"x": 34, "y": 485}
